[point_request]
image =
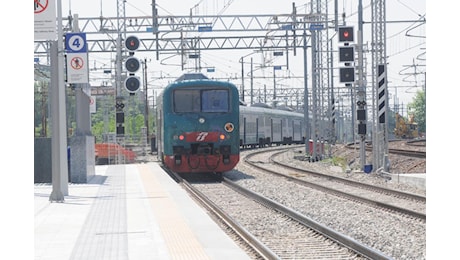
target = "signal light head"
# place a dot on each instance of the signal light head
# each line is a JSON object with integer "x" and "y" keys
{"x": 132, "y": 84}
{"x": 132, "y": 43}
{"x": 346, "y": 34}
{"x": 132, "y": 64}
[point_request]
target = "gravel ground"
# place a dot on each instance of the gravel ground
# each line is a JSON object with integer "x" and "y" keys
{"x": 398, "y": 164}
{"x": 345, "y": 162}
{"x": 388, "y": 233}
{"x": 392, "y": 234}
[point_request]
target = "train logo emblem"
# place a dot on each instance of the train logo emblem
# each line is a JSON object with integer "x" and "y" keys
{"x": 201, "y": 136}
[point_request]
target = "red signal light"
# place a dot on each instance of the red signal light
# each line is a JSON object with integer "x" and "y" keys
{"x": 346, "y": 34}
{"x": 132, "y": 43}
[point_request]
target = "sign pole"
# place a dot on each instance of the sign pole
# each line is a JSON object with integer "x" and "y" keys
{"x": 59, "y": 169}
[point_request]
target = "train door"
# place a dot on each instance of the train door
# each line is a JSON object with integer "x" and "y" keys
{"x": 264, "y": 138}
{"x": 287, "y": 130}
{"x": 276, "y": 128}
{"x": 271, "y": 129}
{"x": 282, "y": 130}
{"x": 296, "y": 130}
{"x": 260, "y": 130}
{"x": 265, "y": 130}
{"x": 257, "y": 128}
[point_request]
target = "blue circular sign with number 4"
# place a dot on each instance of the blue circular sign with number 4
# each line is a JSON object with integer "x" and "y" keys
{"x": 75, "y": 42}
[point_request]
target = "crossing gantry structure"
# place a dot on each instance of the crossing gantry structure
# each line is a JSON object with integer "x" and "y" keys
{"x": 189, "y": 35}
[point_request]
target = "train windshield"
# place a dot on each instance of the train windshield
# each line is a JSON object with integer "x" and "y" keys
{"x": 207, "y": 101}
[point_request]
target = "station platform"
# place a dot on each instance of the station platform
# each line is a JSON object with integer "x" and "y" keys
{"x": 128, "y": 211}
{"x": 417, "y": 180}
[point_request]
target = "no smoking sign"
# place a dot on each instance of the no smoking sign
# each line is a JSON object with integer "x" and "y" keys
{"x": 77, "y": 63}
{"x": 77, "y": 69}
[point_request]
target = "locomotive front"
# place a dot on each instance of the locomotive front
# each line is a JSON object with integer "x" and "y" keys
{"x": 200, "y": 126}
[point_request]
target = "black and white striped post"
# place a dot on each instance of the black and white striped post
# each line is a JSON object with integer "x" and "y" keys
{"x": 333, "y": 117}
{"x": 333, "y": 110}
{"x": 381, "y": 93}
{"x": 382, "y": 97}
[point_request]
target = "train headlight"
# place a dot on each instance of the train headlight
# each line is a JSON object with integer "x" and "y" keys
{"x": 229, "y": 127}
{"x": 201, "y": 120}
{"x": 222, "y": 137}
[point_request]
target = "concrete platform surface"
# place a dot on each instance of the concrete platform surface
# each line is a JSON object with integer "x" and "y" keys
{"x": 131, "y": 211}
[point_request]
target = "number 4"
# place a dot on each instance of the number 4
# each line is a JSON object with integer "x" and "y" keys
{"x": 76, "y": 42}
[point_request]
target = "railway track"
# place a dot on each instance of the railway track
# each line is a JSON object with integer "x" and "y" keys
{"x": 366, "y": 221}
{"x": 410, "y": 204}
{"x": 396, "y": 233}
{"x": 271, "y": 230}
{"x": 405, "y": 152}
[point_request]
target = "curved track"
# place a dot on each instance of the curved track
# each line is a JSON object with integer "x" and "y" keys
{"x": 406, "y": 152}
{"x": 388, "y": 199}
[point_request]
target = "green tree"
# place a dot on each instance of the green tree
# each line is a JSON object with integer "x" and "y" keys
{"x": 103, "y": 121}
{"x": 418, "y": 108}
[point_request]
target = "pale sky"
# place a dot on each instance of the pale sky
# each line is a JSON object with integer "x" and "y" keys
{"x": 403, "y": 51}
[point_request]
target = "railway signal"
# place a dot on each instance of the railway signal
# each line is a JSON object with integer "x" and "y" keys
{"x": 346, "y": 55}
{"x": 120, "y": 116}
{"x": 347, "y": 75}
{"x": 346, "y": 34}
{"x": 132, "y": 65}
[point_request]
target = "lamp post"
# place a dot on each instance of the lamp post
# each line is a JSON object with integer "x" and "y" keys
{"x": 242, "y": 76}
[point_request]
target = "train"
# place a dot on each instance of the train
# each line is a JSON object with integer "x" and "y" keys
{"x": 197, "y": 123}
{"x": 202, "y": 125}
{"x": 261, "y": 125}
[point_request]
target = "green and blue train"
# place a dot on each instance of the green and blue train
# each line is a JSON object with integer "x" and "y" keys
{"x": 198, "y": 125}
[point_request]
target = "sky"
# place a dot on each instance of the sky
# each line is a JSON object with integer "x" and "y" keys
{"x": 405, "y": 53}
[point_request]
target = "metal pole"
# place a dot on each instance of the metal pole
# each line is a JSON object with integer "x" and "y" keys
{"x": 252, "y": 83}
{"x": 305, "y": 92}
{"x": 144, "y": 68}
{"x": 59, "y": 169}
{"x": 274, "y": 87}
{"x": 361, "y": 95}
{"x": 242, "y": 78}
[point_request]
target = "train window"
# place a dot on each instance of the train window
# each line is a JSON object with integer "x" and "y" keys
{"x": 192, "y": 101}
{"x": 215, "y": 101}
{"x": 187, "y": 101}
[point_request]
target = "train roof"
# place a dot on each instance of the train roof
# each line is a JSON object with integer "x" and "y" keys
{"x": 264, "y": 108}
{"x": 191, "y": 76}
{"x": 285, "y": 108}
{"x": 261, "y": 105}
{"x": 264, "y": 105}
